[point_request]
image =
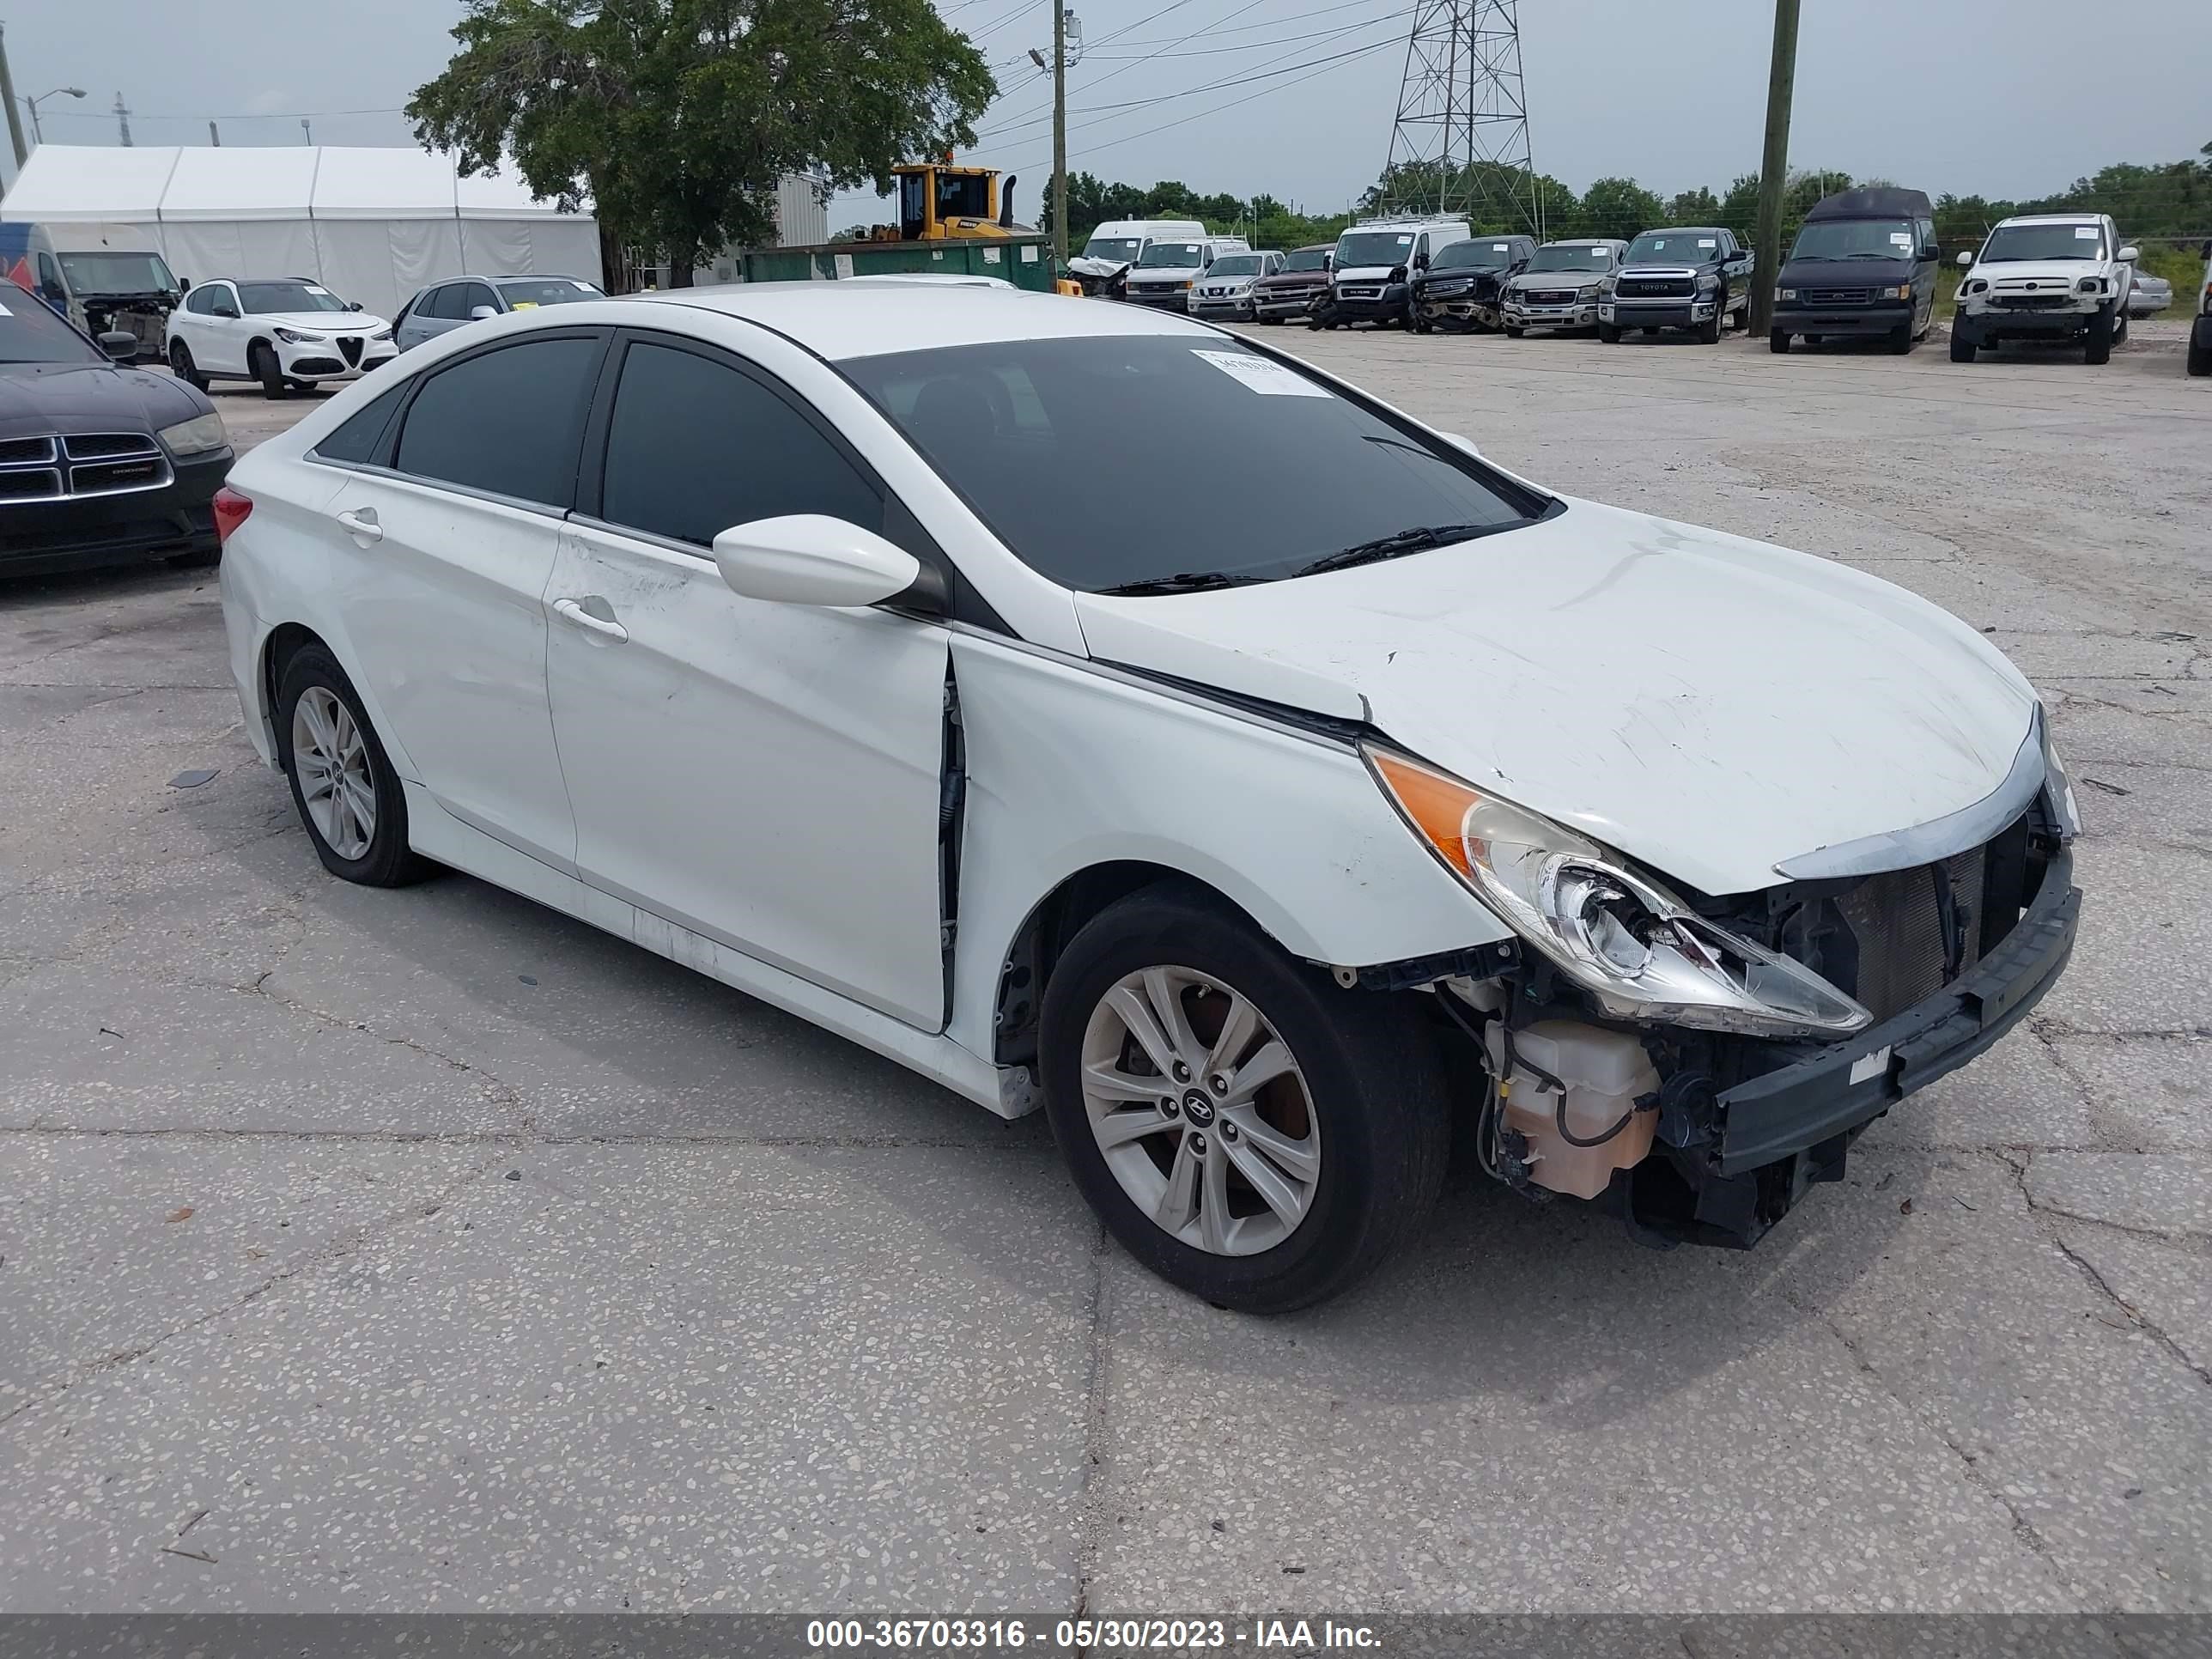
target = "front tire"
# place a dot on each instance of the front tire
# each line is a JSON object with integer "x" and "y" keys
{"x": 1777, "y": 341}
{"x": 2097, "y": 347}
{"x": 1514, "y": 332}
{"x": 2200, "y": 354}
{"x": 343, "y": 785}
{"x": 1248, "y": 1130}
{"x": 1609, "y": 332}
{"x": 263, "y": 361}
{"x": 1963, "y": 347}
{"x": 1708, "y": 331}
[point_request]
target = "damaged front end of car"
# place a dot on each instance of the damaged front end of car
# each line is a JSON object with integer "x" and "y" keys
{"x": 1695, "y": 1063}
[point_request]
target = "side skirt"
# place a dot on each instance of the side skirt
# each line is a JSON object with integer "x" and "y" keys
{"x": 436, "y": 834}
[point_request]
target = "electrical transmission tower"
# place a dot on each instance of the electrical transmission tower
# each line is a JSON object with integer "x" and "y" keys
{"x": 1460, "y": 145}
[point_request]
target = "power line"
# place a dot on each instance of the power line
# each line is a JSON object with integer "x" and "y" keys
{"x": 284, "y": 115}
{"x": 1273, "y": 22}
{"x": 1258, "y": 72}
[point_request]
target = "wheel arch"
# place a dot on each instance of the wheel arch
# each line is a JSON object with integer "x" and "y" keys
{"x": 1056, "y": 918}
{"x": 284, "y": 642}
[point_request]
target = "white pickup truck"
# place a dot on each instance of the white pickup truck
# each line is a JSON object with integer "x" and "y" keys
{"x": 2050, "y": 277}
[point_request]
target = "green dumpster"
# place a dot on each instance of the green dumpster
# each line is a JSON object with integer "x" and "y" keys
{"x": 1025, "y": 261}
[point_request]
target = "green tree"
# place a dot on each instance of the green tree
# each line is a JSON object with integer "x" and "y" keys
{"x": 1695, "y": 207}
{"x": 1616, "y": 207}
{"x": 677, "y": 118}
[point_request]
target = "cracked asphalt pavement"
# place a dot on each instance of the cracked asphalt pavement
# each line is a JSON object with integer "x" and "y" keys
{"x": 368, "y": 1250}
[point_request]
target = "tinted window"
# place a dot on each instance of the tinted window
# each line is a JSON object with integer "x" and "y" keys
{"x": 522, "y": 291}
{"x": 445, "y": 303}
{"x": 1307, "y": 258}
{"x": 200, "y": 300}
{"x": 477, "y": 294}
{"x": 29, "y": 333}
{"x": 356, "y": 439}
{"x": 510, "y": 422}
{"x": 694, "y": 447}
{"x": 1258, "y": 469}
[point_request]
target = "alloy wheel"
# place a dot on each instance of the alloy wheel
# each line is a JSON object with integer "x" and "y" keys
{"x": 329, "y": 757}
{"x": 1201, "y": 1111}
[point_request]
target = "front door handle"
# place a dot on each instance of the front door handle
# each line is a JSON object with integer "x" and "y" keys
{"x": 572, "y": 611}
{"x": 360, "y": 523}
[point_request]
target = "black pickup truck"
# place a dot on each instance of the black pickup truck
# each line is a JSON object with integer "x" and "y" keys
{"x": 1694, "y": 278}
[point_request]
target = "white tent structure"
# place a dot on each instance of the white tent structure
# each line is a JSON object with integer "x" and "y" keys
{"x": 371, "y": 225}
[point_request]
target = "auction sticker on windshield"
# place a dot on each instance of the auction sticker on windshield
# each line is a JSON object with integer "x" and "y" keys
{"x": 1269, "y": 379}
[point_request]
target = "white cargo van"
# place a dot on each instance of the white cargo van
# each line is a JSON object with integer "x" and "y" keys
{"x": 1118, "y": 244}
{"x": 1371, "y": 279}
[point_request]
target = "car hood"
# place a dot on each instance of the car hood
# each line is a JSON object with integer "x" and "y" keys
{"x": 1084, "y": 265}
{"x": 1678, "y": 269}
{"x": 322, "y": 322}
{"x": 1363, "y": 273}
{"x": 37, "y": 399}
{"x": 1145, "y": 274}
{"x": 2057, "y": 273}
{"x": 1709, "y": 705}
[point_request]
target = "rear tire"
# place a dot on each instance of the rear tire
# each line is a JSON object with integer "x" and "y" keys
{"x": 263, "y": 361}
{"x": 1777, "y": 342}
{"x": 1361, "y": 1105}
{"x": 352, "y": 775}
{"x": 181, "y": 366}
{"x": 2097, "y": 348}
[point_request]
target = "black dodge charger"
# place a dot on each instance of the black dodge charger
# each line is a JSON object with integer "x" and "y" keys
{"x": 100, "y": 464}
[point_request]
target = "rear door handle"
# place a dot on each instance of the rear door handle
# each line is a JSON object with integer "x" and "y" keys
{"x": 360, "y": 523}
{"x": 572, "y": 611}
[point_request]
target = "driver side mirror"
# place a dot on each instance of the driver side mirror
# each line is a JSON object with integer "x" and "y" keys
{"x": 1462, "y": 441}
{"x": 120, "y": 344}
{"x": 2130, "y": 254}
{"x": 1965, "y": 259}
{"x": 1420, "y": 262}
{"x": 353, "y": 305}
{"x": 809, "y": 558}
{"x": 478, "y": 313}
{"x": 1930, "y": 252}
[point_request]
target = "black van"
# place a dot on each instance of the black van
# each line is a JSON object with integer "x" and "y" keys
{"x": 1863, "y": 266}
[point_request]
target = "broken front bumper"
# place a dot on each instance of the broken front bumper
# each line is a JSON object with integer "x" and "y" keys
{"x": 1845, "y": 1086}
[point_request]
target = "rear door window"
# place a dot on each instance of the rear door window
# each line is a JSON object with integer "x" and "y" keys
{"x": 508, "y": 423}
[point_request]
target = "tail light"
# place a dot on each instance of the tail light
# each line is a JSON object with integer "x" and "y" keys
{"x": 230, "y": 511}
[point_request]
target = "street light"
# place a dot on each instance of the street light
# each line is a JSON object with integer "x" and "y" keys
{"x": 38, "y": 137}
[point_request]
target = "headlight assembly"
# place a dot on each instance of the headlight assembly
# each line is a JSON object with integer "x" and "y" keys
{"x": 200, "y": 435}
{"x": 296, "y": 336}
{"x": 2056, "y": 780}
{"x": 1640, "y": 952}
{"x": 382, "y": 334}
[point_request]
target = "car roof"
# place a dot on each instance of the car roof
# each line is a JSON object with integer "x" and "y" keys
{"x": 2054, "y": 219}
{"x": 1582, "y": 241}
{"x": 864, "y": 317}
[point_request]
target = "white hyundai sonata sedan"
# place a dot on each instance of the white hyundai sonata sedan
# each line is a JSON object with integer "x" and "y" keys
{"x": 1087, "y": 708}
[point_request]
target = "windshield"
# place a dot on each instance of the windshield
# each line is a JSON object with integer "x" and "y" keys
{"x": 2044, "y": 242}
{"x": 1857, "y": 239}
{"x": 275, "y": 297}
{"x": 1120, "y": 249}
{"x": 1572, "y": 259}
{"x": 523, "y": 292}
{"x": 1483, "y": 256}
{"x": 117, "y": 273}
{"x": 1373, "y": 247}
{"x": 30, "y": 333}
{"x": 1232, "y": 462}
{"x": 1672, "y": 247}
{"x": 1174, "y": 253}
{"x": 1234, "y": 265}
{"x": 1307, "y": 258}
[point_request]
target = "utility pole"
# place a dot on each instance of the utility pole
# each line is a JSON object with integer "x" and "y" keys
{"x": 1058, "y": 135}
{"x": 7, "y": 97}
{"x": 214, "y": 137}
{"x": 307, "y": 132}
{"x": 1774, "y": 167}
{"x": 123, "y": 120}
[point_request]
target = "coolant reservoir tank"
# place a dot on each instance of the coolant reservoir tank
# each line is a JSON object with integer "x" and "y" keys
{"x": 1604, "y": 1072}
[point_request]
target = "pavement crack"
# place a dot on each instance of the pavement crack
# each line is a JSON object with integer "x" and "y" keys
{"x": 2141, "y": 1321}
{"x": 1090, "y": 1493}
{"x": 416, "y": 1208}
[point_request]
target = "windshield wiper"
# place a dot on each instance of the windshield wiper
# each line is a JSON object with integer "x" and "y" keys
{"x": 1188, "y": 581}
{"x": 1417, "y": 538}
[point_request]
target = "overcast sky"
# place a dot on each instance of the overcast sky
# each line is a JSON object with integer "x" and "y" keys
{"x": 1994, "y": 96}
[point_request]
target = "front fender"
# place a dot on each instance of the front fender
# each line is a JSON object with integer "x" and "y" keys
{"x": 1071, "y": 766}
